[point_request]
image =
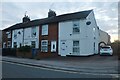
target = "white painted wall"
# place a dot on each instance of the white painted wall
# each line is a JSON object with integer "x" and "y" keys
{"x": 91, "y": 34}
{"x": 19, "y": 37}
{"x": 25, "y": 37}
{"x": 86, "y": 37}
{"x": 28, "y": 38}
{"x": 104, "y": 37}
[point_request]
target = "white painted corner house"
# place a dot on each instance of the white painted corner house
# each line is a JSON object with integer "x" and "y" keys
{"x": 79, "y": 37}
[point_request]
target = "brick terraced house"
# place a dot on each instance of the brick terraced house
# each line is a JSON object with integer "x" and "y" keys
{"x": 68, "y": 34}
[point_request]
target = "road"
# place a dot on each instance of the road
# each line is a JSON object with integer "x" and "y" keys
{"x": 14, "y": 70}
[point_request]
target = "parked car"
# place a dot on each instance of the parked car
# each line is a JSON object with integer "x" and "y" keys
{"x": 106, "y": 50}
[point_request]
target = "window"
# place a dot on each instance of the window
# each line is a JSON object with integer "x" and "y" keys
{"x": 76, "y": 47}
{"x": 94, "y": 46}
{"x": 33, "y": 44}
{"x": 94, "y": 32}
{"x": 9, "y": 44}
{"x": 8, "y": 34}
{"x": 88, "y": 23}
{"x": 15, "y": 44}
{"x": 15, "y": 34}
{"x": 53, "y": 46}
{"x": 45, "y": 30}
{"x": 44, "y": 45}
{"x": 94, "y": 29}
{"x": 33, "y": 32}
{"x": 20, "y": 45}
{"x": 4, "y": 45}
{"x": 76, "y": 27}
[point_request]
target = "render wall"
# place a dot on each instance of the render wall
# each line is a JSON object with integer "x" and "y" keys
{"x": 87, "y": 37}
{"x": 25, "y": 38}
{"x": 17, "y": 36}
{"x": 28, "y": 37}
{"x": 104, "y": 37}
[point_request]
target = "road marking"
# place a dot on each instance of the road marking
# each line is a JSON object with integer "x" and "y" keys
{"x": 60, "y": 70}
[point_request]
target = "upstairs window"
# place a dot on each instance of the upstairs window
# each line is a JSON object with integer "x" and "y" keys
{"x": 8, "y": 34}
{"x": 44, "y": 45}
{"x": 76, "y": 27}
{"x": 15, "y": 34}
{"x": 94, "y": 32}
{"x": 44, "y": 29}
{"x": 33, "y": 32}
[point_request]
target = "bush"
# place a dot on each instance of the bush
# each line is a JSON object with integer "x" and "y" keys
{"x": 116, "y": 48}
{"x": 24, "y": 49}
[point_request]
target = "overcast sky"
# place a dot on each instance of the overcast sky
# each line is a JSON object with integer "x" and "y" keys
{"x": 106, "y": 13}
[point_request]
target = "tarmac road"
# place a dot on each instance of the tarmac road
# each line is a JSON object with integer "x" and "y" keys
{"x": 14, "y": 70}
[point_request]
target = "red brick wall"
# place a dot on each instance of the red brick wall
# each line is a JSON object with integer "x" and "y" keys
{"x": 5, "y": 38}
{"x": 52, "y": 35}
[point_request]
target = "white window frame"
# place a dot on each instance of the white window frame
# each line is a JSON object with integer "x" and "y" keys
{"x": 76, "y": 25}
{"x": 45, "y": 45}
{"x": 9, "y": 44}
{"x": 45, "y": 29}
{"x": 8, "y": 34}
{"x": 77, "y": 47}
{"x": 15, "y": 34}
{"x": 4, "y": 44}
{"x": 94, "y": 30}
{"x": 33, "y": 32}
{"x": 33, "y": 45}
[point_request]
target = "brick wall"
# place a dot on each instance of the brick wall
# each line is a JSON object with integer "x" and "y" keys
{"x": 52, "y": 35}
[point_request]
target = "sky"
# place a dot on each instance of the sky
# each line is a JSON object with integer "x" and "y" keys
{"x": 106, "y": 12}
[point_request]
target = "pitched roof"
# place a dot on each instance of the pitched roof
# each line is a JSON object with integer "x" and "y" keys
{"x": 59, "y": 18}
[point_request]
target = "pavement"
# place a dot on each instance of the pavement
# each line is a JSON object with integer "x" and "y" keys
{"x": 92, "y": 64}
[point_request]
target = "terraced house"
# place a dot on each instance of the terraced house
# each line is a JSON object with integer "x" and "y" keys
{"x": 68, "y": 34}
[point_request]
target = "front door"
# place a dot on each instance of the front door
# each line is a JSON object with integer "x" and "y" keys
{"x": 63, "y": 48}
{"x": 53, "y": 46}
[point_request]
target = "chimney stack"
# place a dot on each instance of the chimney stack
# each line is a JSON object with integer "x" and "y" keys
{"x": 51, "y": 13}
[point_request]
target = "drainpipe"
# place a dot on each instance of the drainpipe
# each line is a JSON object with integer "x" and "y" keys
{"x": 23, "y": 36}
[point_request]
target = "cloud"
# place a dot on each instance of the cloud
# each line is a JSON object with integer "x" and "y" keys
{"x": 106, "y": 13}
{"x": 112, "y": 31}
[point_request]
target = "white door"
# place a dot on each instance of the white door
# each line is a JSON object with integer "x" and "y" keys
{"x": 53, "y": 46}
{"x": 63, "y": 48}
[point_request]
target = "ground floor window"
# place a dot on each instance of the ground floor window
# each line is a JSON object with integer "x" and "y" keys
{"x": 94, "y": 47}
{"x": 4, "y": 45}
{"x": 9, "y": 44}
{"x": 44, "y": 46}
{"x": 33, "y": 44}
{"x": 15, "y": 44}
{"x": 20, "y": 45}
{"x": 76, "y": 48}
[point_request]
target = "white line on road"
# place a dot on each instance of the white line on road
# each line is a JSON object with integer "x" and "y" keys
{"x": 58, "y": 70}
